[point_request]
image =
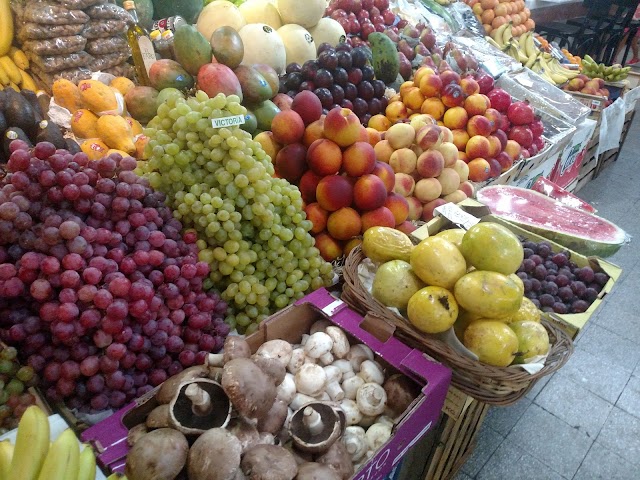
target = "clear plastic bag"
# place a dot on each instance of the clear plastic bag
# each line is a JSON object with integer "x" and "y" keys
{"x": 102, "y": 62}
{"x": 105, "y": 46}
{"x": 108, "y": 11}
{"x": 37, "y": 31}
{"x": 56, "y": 46}
{"x": 122, "y": 70}
{"x": 73, "y": 75}
{"x": 53, "y": 14}
{"x": 78, "y": 4}
{"x": 56, "y": 63}
{"x": 103, "y": 28}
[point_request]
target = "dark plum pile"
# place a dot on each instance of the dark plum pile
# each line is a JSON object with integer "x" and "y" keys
{"x": 554, "y": 283}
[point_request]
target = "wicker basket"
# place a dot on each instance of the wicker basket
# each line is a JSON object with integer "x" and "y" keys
{"x": 486, "y": 383}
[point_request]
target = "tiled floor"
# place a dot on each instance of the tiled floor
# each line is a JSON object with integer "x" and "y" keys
{"x": 584, "y": 422}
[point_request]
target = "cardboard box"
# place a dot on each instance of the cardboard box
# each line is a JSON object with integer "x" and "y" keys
{"x": 290, "y": 324}
{"x": 570, "y": 160}
{"x": 572, "y": 323}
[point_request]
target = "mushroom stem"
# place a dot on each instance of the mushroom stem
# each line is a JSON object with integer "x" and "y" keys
{"x": 200, "y": 399}
{"x": 215, "y": 360}
{"x": 312, "y": 421}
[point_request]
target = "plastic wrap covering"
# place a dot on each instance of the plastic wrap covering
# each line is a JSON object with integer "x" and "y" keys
{"x": 491, "y": 59}
{"x": 103, "y": 28}
{"x": 79, "y": 4}
{"x": 37, "y": 31}
{"x": 470, "y": 26}
{"x": 73, "y": 75}
{"x": 102, "y": 62}
{"x": 56, "y": 46}
{"x": 122, "y": 70}
{"x": 527, "y": 85}
{"x": 415, "y": 12}
{"x": 56, "y": 63}
{"x": 109, "y": 11}
{"x": 105, "y": 46}
{"x": 53, "y": 14}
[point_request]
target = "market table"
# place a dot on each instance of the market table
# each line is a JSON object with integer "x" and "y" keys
{"x": 557, "y": 10}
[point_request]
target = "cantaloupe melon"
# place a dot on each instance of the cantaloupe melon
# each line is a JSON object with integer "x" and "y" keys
{"x": 262, "y": 44}
{"x": 261, "y": 11}
{"x": 298, "y": 43}
{"x": 328, "y": 31}
{"x": 219, "y": 13}
{"x": 306, "y": 14}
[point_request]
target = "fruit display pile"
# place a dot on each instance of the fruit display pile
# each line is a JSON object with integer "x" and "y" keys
{"x": 493, "y": 14}
{"x": 15, "y": 380}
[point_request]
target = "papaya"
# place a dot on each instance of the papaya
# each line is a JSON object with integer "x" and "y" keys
{"x": 95, "y": 148}
{"x": 97, "y": 96}
{"x": 192, "y": 50}
{"x": 169, "y": 73}
{"x": 141, "y": 144}
{"x": 385, "y": 62}
{"x": 136, "y": 128}
{"x": 255, "y": 88}
{"x": 382, "y": 244}
{"x": 122, "y": 84}
{"x": 115, "y": 131}
{"x": 83, "y": 123}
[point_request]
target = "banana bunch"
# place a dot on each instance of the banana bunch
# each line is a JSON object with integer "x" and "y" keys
{"x": 13, "y": 71}
{"x": 612, "y": 73}
{"x": 34, "y": 458}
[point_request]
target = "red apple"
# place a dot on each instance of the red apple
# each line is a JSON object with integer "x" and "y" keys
{"x": 537, "y": 128}
{"x": 486, "y": 83}
{"x": 521, "y": 134}
{"x": 520, "y": 113}
{"x": 500, "y": 100}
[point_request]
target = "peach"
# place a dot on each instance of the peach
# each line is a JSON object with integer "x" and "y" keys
{"x": 449, "y": 180}
{"x": 308, "y": 185}
{"x": 415, "y": 208}
{"x": 330, "y": 248}
{"x": 413, "y": 98}
{"x": 452, "y": 95}
{"x": 430, "y": 85}
{"x": 380, "y": 217}
{"x": 406, "y": 227}
{"x": 363, "y": 136}
{"x": 478, "y": 147}
{"x": 434, "y": 107}
{"x": 494, "y": 168}
{"x": 405, "y": 87}
{"x": 455, "y": 197}
{"x": 342, "y": 126}
{"x": 468, "y": 188}
{"x": 287, "y": 127}
{"x": 383, "y": 151}
{"x": 400, "y": 135}
{"x": 495, "y": 117}
{"x": 463, "y": 156}
{"x": 379, "y": 122}
{"x": 427, "y": 189}
{"x": 334, "y": 192}
{"x": 373, "y": 136}
{"x": 421, "y": 72}
{"x": 500, "y": 135}
{"x": 429, "y": 136}
{"x": 269, "y": 144}
{"x": 478, "y": 170}
{"x": 505, "y": 161}
{"x": 430, "y": 163}
{"x": 476, "y": 104}
{"x": 313, "y": 132}
{"x": 449, "y": 77}
{"x": 449, "y": 152}
{"x": 462, "y": 170}
{"x": 386, "y": 174}
{"x": 399, "y": 206}
{"x": 344, "y": 224}
{"x": 479, "y": 125}
{"x": 359, "y": 159}
{"x": 282, "y": 101}
{"x": 455, "y": 117}
{"x": 318, "y": 217}
{"x": 396, "y": 111}
{"x": 512, "y": 148}
{"x": 324, "y": 157}
{"x": 308, "y": 106}
{"x": 419, "y": 120}
{"x": 403, "y": 160}
{"x": 447, "y": 134}
{"x": 460, "y": 138}
{"x": 291, "y": 162}
{"x": 495, "y": 146}
{"x": 469, "y": 86}
{"x": 404, "y": 184}
{"x": 351, "y": 244}
{"x": 429, "y": 207}
{"x": 369, "y": 192}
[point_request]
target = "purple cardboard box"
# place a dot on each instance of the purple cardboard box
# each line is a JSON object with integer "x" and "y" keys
{"x": 109, "y": 436}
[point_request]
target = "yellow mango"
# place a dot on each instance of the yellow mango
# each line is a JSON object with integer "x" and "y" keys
{"x": 136, "y": 128}
{"x": 115, "y": 131}
{"x": 83, "y": 123}
{"x": 141, "y": 144}
{"x": 97, "y": 96}
{"x": 122, "y": 84}
{"x": 67, "y": 95}
{"x": 94, "y": 148}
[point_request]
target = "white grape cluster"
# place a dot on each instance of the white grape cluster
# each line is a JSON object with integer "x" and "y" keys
{"x": 251, "y": 227}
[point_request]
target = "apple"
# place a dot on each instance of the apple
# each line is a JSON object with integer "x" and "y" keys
{"x": 520, "y": 113}
{"x": 537, "y": 128}
{"x": 500, "y": 100}
{"x": 521, "y": 134}
{"x": 485, "y": 81}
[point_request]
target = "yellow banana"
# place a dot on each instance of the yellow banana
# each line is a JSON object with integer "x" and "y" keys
{"x": 6, "y": 27}
{"x": 14, "y": 86}
{"x": 531, "y": 60}
{"x": 63, "y": 459}
{"x": 531, "y": 45}
{"x": 507, "y": 35}
{"x": 116, "y": 476}
{"x": 522, "y": 42}
{"x": 27, "y": 82}
{"x": 4, "y": 78}
{"x": 491, "y": 41}
{"x": 19, "y": 58}
{"x": 11, "y": 69}
{"x": 32, "y": 444}
{"x": 499, "y": 33}
{"x": 556, "y": 77}
{"x": 87, "y": 470}
{"x": 6, "y": 454}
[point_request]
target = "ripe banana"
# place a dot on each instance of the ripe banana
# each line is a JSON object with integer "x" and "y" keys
{"x": 498, "y": 34}
{"x": 19, "y": 58}
{"x": 4, "y": 78}
{"x": 116, "y": 476}
{"x": 87, "y": 470}
{"x": 11, "y": 69}
{"x": 27, "y": 82}
{"x": 507, "y": 34}
{"x": 6, "y": 454}
{"x": 6, "y": 27}
{"x": 63, "y": 459}
{"x": 491, "y": 41}
{"x": 32, "y": 445}
{"x": 531, "y": 59}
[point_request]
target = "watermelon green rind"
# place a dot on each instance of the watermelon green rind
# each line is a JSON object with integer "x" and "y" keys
{"x": 575, "y": 229}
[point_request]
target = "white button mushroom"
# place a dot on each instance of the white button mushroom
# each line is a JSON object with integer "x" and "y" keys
{"x": 287, "y": 389}
{"x": 311, "y": 379}
{"x": 333, "y": 388}
{"x": 367, "y": 421}
{"x": 345, "y": 367}
{"x": 351, "y": 411}
{"x": 371, "y": 372}
{"x": 326, "y": 359}
{"x": 323, "y": 397}
{"x": 340, "y": 341}
{"x": 300, "y": 400}
{"x": 278, "y": 349}
{"x": 377, "y": 435}
{"x": 297, "y": 360}
{"x": 355, "y": 441}
{"x": 371, "y": 399}
{"x": 358, "y": 354}
{"x": 351, "y": 386}
{"x": 318, "y": 344}
{"x": 319, "y": 326}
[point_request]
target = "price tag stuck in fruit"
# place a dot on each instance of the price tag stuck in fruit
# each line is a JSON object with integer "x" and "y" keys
{"x": 456, "y": 215}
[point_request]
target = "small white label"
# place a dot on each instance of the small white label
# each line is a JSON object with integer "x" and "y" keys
{"x": 456, "y": 215}
{"x": 227, "y": 121}
{"x": 147, "y": 52}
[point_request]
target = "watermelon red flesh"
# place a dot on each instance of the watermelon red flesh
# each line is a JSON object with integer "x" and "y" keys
{"x": 575, "y": 229}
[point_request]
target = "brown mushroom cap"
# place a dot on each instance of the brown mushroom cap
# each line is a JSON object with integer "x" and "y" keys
{"x": 159, "y": 417}
{"x": 338, "y": 458}
{"x": 250, "y": 390}
{"x": 269, "y": 462}
{"x": 181, "y": 408}
{"x": 135, "y": 433}
{"x": 245, "y": 431}
{"x": 215, "y": 455}
{"x": 170, "y": 387}
{"x": 272, "y": 367}
{"x": 235, "y": 347}
{"x": 332, "y": 428}
{"x": 158, "y": 455}
{"x": 401, "y": 392}
{"x": 316, "y": 471}
{"x": 273, "y": 421}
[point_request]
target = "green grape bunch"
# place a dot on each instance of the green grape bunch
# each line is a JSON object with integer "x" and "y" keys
{"x": 251, "y": 227}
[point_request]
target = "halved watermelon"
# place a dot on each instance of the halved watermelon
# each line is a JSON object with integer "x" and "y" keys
{"x": 575, "y": 229}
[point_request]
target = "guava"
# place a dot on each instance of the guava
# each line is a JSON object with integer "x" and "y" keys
{"x": 493, "y": 247}
{"x": 463, "y": 321}
{"x": 432, "y": 310}
{"x": 395, "y": 283}
{"x": 488, "y": 294}
{"x": 454, "y": 235}
{"x": 527, "y": 311}
{"x": 438, "y": 262}
{"x": 533, "y": 339}
{"x": 492, "y": 341}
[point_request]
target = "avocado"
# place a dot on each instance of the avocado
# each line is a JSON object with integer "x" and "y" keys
{"x": 44, "y": 100}
{"x": 19, "y": 112}
{"x": 32, "y": 98}
{"x": 3, "y": 123}
{"x": 3, "y": 96}
{"x": 72, "y": 146}
{"x": 11, "y": 134}
{"x": 50, "y": 132}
